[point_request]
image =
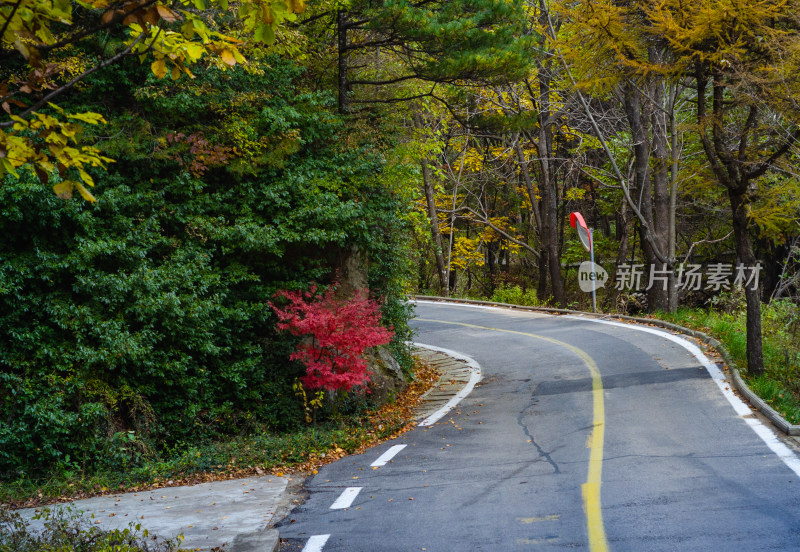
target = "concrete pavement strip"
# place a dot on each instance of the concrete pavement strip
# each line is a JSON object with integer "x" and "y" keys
{"x": 209, "y": 515}
{"x": 234, "y": 515}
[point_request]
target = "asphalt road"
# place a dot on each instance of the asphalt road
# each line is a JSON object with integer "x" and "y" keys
{"x": 580, "y": 436}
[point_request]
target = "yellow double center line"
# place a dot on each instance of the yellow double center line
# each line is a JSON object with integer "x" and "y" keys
{"x": 591, "y": 489}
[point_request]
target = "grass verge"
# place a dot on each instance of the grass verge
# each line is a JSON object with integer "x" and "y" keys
{"x": 254, "y": 454}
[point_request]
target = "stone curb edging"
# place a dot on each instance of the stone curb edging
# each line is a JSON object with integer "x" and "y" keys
{"x": 260, "y": 541}
{"x": 738, "y": 382}
{"x": 454, "y": 376}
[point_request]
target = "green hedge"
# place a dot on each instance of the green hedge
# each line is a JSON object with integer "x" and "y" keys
{"x": 141, "y": 321}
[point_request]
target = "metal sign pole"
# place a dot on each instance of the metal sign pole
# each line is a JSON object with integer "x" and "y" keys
{"x": 594, "y": 282}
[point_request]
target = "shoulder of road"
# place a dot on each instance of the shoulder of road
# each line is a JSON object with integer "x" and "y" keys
{"x": 234, "y": 515}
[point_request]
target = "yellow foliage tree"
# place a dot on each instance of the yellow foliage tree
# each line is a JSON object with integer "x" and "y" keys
{"x": 35, "y": 41}
{"x": 744, "y": 60}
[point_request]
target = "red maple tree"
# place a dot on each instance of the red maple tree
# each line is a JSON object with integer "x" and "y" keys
{"x": 338, "y": 332}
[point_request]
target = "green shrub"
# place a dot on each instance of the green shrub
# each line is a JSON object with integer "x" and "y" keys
{"x": 514, "y": 295}
{"x": 65, "y": 529}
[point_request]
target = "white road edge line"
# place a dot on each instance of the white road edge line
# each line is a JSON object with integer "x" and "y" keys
{"x": 767, "y": 435}
{"x": 474, "y": 378}
{"x": 316, "y": 543}
{"x": 384, "y": 458}
{"x": 346, "y": 498}
{"x": 770, "y": 439}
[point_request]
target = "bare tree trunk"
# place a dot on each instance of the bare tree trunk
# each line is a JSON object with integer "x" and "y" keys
{"x": 436, "y": 235}
{"x": 433, "y": 218}
{"x": 649, "y": 199}
{"x": 745, "y": 256}
{"x": 547, "y": 185}
{"x": 343, "y": 80}
{"x": 662, "y": 216}
{"x": 541, "y": 287}
{"x": 526, "y": 177}
{"x": 541, "y": 283}
{"x": 547, "y": 189}
{"x": 622, "y": 252}
{"x": 727, "y": 163}
{"x": 673, "y": 189}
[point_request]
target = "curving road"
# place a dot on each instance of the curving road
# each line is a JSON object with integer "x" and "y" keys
{"x": 581, "y": 435}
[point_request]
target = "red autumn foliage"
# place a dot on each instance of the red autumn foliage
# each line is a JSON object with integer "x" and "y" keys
{"x": 338, "y": 330}
{"x": 202, "y": 154}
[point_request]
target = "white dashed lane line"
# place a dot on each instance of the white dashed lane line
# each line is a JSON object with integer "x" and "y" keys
{"x": 386, "y": 457}
{"x": 316, "y": 543}
{"x": 346, "y": 498}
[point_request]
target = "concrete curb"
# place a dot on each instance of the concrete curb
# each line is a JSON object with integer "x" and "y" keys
{"x": 455, "y": 375}
{"x": 259, "y": 541}
{"x": 738, "y": 382}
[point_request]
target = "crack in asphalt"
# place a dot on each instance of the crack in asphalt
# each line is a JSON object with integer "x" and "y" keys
{"x": 526, "y": 429}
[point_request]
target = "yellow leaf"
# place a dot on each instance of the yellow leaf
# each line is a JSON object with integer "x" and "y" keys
{"x": 22, "y": 48}
{"x": 227, "y": 57}
{"x": 63, "y": 189}
{"x": 86, "y": 177}
{"x": 56, "y": 108}
{"x": 85, "y": 193}
{"x": 166, "y": 14}
{"x": 195, "y": 50}
{"x": 88, "y": 117}
{"x": 159, "y": 68}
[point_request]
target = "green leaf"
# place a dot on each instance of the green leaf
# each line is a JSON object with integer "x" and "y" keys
{"x": 264, "y": 33}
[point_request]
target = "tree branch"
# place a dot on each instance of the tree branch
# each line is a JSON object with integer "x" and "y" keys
{"x": 9, "y": 18}
{"x": 764, "y": 166}
{"x": 73, "y": 82}
{"x": 709, "y": 241}
{"x": 489, "y": 223}
{"x": 701, "y": 80}
{"x": 390, "y": 41}
{"x": 390, "y": 81}
{"x": 394, "y": 100}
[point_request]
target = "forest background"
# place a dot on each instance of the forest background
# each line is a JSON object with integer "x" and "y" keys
{"x": 222, "y": 152}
